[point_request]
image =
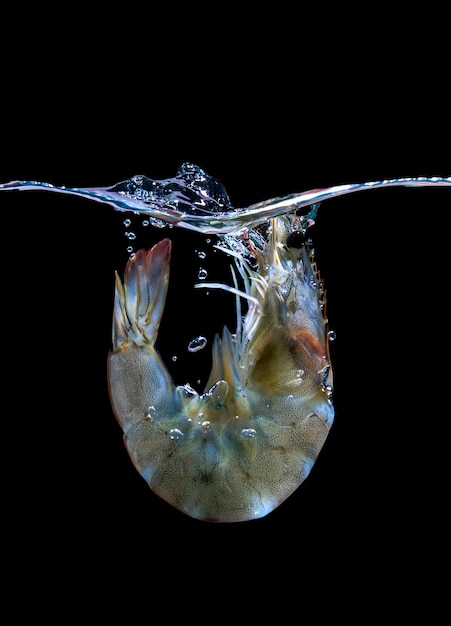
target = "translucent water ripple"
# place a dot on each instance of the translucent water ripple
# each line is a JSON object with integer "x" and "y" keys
{"x": 196, "y": 201}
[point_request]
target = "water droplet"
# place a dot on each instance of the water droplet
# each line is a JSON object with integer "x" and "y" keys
{"x": 151, "y": 412}
{"x": 202, "y": 274}
{"x": 127, "y": 222}
{"x": 174, "y": 358}
{"x": 197, "y": 344}
{"x": 175, "y": 433}
{"x": 188, "y": 391}
{"x": 201, "y": 254}
{"x": 130, "y": 235}
{"x": 249, "y": 432}
{"x": 219, "y": 390}
{"x": 331, "y": 335}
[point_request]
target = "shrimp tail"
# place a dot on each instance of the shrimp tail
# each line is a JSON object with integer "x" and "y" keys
{"x": 139, "y": 302}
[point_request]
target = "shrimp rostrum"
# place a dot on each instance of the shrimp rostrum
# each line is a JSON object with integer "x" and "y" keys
{"x": 236, "y": 451}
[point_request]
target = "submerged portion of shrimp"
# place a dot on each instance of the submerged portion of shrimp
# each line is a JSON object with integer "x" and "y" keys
{"x": 238, "y": 450}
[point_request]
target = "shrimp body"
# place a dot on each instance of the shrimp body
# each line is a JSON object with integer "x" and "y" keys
{"x": 239, "y": 449}
{"x": 236, "y": 451}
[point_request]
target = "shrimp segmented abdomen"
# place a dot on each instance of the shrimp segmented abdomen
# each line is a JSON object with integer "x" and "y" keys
{"x": 236, "y": 451}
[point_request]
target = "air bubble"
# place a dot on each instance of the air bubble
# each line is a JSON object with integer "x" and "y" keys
{"x": 151, "y": 412}
{"x": 175, "y": 433}
{"x": 218, "y": 391}
{"x": 197, "y": 344}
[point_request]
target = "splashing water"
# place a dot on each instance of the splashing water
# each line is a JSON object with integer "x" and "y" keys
{"x": 196, "y": 201}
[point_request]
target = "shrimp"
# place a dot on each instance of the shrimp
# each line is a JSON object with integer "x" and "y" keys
{"x": 236, "y": 451}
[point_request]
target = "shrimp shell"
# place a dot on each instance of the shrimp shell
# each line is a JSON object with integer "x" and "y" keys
{"x": 236, "y": 451}
{"x": 239, "y": 449}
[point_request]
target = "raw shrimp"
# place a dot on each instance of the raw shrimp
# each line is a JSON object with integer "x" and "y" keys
{"x": 236, "y": 451}
{"x": 239, "y": 449}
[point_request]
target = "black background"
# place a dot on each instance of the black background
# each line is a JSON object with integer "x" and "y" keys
{"x": 274, "y": 116}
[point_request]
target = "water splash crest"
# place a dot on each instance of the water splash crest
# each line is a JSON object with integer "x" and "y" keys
{"x": 196, "y": 201}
